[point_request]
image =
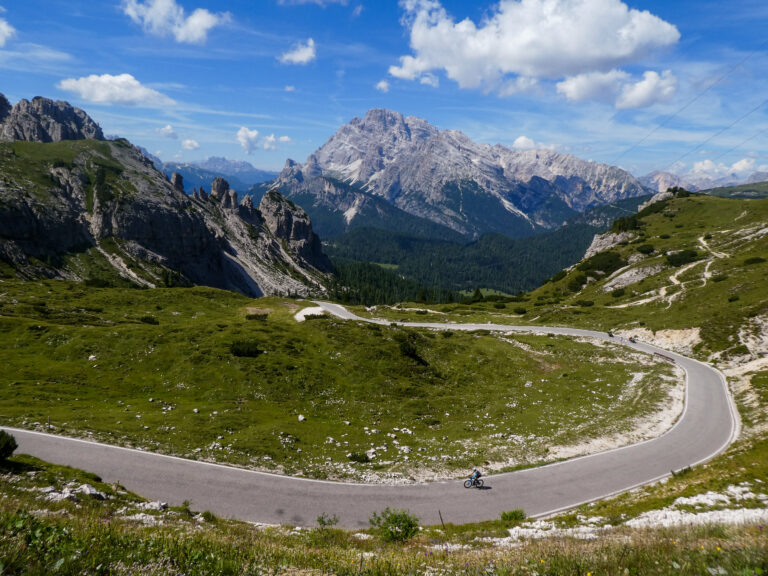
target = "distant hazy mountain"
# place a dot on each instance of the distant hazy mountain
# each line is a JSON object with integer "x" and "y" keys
{"x": 378, "y": 169}
{"x": 241, "y": 175}
{"x": 694, "y": 182}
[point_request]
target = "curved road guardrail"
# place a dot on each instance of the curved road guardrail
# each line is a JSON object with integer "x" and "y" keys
{"x": 709, "y": 423}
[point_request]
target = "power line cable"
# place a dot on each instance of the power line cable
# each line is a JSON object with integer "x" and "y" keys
{"x": 716, "y": 134}
{"x": 690, "y": 103}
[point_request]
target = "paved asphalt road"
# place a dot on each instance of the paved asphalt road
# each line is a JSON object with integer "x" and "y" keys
{"x": 707, "y": 427}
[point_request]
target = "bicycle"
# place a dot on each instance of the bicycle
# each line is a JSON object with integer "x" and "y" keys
{"x": 476, "y": 482}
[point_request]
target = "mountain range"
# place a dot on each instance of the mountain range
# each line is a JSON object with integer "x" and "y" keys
{"x": 240, "y": 174}
{"x": 659, "y": 181}
{"x": 401, "y": 173}
{"x": 76, "y": 206}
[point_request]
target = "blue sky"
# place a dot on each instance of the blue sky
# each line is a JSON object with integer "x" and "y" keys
{"x": 642, "y": 84}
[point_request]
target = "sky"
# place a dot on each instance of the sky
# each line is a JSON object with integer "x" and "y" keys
{"x": 646, "y": 85}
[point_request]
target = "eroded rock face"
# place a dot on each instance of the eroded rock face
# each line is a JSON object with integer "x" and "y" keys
{"x": 107, "y": 201}
{"x": 43, "y": 120}
{"x": 286, "y": 220}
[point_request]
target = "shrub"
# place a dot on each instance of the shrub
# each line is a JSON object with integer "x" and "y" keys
{"x": 499, "y": 305}
{"x": 682, "y": 257}
{"x": 606, "y": 262}
{"x": 618, "y": 293}
{"x": 520, "y": 310}
{"x": 327, "y": 520}
{"x": 395, "y": 525}
{"x": 578, "y": 280}
{"x": 645, "y": 249}
{"x": 733, "y": 298}
{"x": 245, "y": 348}
{"x": 359, "y": 457}
{"x": 559, "y": 276}
{"x": 719, "y": 277}
{"x": 149, "y": 320}
{"x": 754, "y": 260}
{"x": 584, "y": 303}
{"x": 665, "y": 236}
{"x": 261, "y": 316}
{"x": 7, "y": 445}
{"x": 513, "y": 516}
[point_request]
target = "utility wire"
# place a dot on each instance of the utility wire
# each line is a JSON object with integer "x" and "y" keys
{"x": 691, "y": 102}
{"x": 716, "y": 134}
{"x": 740, "y": 144}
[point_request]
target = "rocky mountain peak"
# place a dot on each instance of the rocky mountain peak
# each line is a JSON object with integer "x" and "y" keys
{"x": 45, "y": 120}
{"x": 5, "y": 108}
{"x": 177, "y": 181}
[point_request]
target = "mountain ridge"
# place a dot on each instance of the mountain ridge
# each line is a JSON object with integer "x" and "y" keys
{"x": 445, "y": 177}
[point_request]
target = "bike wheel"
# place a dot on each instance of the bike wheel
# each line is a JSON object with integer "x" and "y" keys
{"x": 468, "y": 484}
{"x": 479, "y": 482}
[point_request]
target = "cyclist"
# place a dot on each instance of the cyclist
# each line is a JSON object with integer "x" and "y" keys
{"x": 475, "y": 474}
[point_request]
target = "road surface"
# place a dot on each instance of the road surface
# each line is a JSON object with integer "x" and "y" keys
{"x": 708, "y": 425}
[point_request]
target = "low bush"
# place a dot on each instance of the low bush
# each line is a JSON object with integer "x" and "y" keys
{"x": 499, "y": 305}
{"x": 395, "y": 525}
{"x": 578, "y": 280}
{"x": 618, "y": 293}
{"x": 584, "y": 303}
{"x": 683, "y": 257}
{"x": 645, "y": 249}
{"x": 513, "y": 516}
{"x": 149, "y": 320}
{"x": 520, "y": 310}
{"x": 754, "y": 260}
{"x": 7, "y": 445}
{"x": 359, "y": 457}
{"x": 245, "y": 348}
{"x": 733, "y": 298}
{"x": 256, "y": 316}
{"x": 719, "y": 277}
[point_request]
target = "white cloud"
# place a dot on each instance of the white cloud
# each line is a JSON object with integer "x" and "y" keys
{"x": 190, "y": 145}
{"x": 322, "y": 3}
{"x": 525, "y": 143}
{"x": 517, "y": 86}
{"x": 270, "y": 142}
{"x": 300, "y": 53}
{"x": 290, "y": 88}
{"x": 430, "y": 80}
{"x": 529, "y": 38}
{"x": 6, "y": 32}
{"x": 652, "y": 89}
{"x": 592, "y": 85}
{"x": 382, "y": 86}
{"x": 247, "y": 139}
{"x": 123, "y": 90}
{"x": 166, "y": 17}
{"x": 744, "y": 166}
{"x": 168, "y": 132}
{"x": 710, "y": 169}
{"x": 357, "y": 11}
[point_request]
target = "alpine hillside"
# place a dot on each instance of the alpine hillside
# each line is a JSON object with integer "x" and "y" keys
{"x": 399, "y": 173}
{"x": 78, "y": 207}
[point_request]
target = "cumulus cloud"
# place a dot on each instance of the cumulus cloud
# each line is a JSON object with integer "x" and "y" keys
{"x": 300, "y": 53}
{"x": 430, "y": 80}
{"x": 531, "y": 39}
{"x": 190, "y": 145}
{"x": 123, "y": 90}
{"x": 382, "y": 86}
{"x": 6, "y": 32}
{"x": 322, "y": 3}
{"x": 710, "y": 169}
{"x": 167, "y": 18}
{"x": 271, "y": 141}
{"x": 168, "y": 132}
{"x": 247, "y": 138}
{"x": 652, "y": 89}
{"x": 525, "y": 143}
{"x": 290, "y": 88}
{"x": 592, "y": 85}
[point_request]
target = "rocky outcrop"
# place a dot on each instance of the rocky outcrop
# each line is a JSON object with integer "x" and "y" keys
{"x": 603, "y": 242}
{"x": 105, "y": 201}
{"x": 43, "y": 120}
{"x": 177, "y": 181}
{"x": 445, "y": 177}
{"x": 287, "y": 221}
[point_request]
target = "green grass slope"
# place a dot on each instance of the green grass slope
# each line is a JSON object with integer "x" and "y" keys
{"x": 214, "y": 375}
